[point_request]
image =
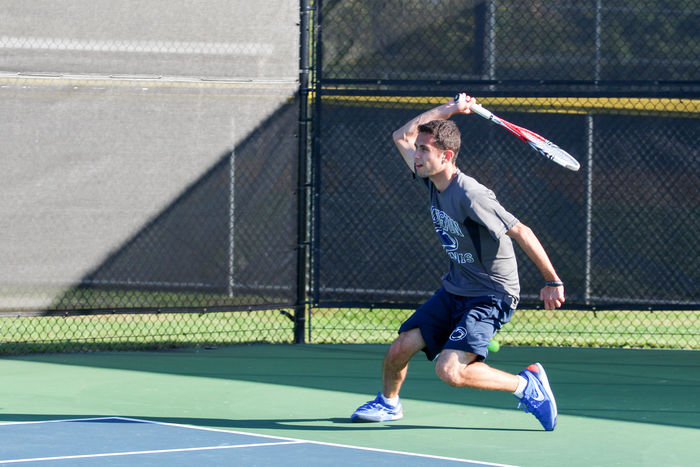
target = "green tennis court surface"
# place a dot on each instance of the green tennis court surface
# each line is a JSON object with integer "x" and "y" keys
{"x": 616, "y": 407}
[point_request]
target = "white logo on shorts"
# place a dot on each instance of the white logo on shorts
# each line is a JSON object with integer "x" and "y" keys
{"x": 458, "y": 334}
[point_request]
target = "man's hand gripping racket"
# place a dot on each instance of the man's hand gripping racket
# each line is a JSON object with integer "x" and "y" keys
{"x": 542, "y": 145}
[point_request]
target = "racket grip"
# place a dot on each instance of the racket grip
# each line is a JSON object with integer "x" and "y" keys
{"x": 477, "y": 109}
{"x": 482, "y": 112}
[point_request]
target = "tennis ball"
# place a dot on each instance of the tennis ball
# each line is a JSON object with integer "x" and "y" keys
{"x": 494, "y": 346}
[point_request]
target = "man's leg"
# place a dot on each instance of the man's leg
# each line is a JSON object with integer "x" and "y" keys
{"x": 531, "y": 386}
{"x": 463, "y": 369}
{"x": 396, "y": 361}
{"x": 387, "y": 406}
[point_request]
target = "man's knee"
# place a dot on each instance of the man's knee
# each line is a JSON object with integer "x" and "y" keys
{"x": 405, "y": 346}
{"x": 455, "y": 368}
{"x": 447, "y": 371}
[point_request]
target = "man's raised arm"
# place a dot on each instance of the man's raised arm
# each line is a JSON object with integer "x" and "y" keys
{"x": 405, "y": 137}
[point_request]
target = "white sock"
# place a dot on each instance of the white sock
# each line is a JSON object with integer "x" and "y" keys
{"x": 393, "y": 401}
{"x": 522, "y": 382}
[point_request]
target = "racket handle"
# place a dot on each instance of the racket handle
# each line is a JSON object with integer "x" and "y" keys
{"x": 482, "y": 112}
{"x": 477, "y": 109}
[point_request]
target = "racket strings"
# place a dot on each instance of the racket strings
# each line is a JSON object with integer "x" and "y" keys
{"x": 555, "y": 153}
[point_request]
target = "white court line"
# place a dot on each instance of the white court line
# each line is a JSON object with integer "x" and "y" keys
{"x": 131, "y": 46}
{"x": 285, "y": 441}
{"x": 136, "y": 453}
{"x": 60, "y": 420}
{"x": 321, "y": 443}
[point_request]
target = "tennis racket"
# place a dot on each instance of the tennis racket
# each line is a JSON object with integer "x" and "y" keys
{"x": 540, "y": 144}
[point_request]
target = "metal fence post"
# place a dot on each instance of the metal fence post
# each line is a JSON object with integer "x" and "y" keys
{"x": 303, "y": 179}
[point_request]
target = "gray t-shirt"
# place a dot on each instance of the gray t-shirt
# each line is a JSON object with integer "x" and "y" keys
{"x": 472, "y": 227}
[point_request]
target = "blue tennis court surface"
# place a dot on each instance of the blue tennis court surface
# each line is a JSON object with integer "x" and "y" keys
{"x": 117, "y": 441}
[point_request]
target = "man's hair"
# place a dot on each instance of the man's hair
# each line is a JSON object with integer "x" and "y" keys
{"x": 446, "y": 134}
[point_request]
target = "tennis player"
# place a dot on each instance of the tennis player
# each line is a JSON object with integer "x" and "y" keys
{"x": 480, "y": 291}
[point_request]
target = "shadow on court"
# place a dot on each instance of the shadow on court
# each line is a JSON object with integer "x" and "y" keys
{"x": 298, "y": 424}
{"x": 643, "y": 386}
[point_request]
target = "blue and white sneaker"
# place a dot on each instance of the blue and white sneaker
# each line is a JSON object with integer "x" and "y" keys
{"x": 377, "y": 411}
{"x": 537, "y": 397}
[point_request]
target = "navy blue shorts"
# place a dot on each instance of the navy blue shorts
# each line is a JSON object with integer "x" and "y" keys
{"x": 448, "y": 321}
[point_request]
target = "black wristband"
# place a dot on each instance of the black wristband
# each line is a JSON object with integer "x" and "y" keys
{"x": 555, "y": 283}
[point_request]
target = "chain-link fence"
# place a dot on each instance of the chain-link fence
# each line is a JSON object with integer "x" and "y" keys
{"x": 170, "y": 180}
{"x": 614, "y": 83}
{"x": 613, "y": 229}
{"x": 149, "y": 170}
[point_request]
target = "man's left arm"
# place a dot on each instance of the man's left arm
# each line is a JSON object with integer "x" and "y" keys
{"x": 553, "y": 297}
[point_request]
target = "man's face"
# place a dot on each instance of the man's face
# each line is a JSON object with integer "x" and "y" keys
{"x": 428, "y": 158}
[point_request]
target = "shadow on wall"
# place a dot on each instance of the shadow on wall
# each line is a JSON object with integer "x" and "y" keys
{"x": 227, "y": 240}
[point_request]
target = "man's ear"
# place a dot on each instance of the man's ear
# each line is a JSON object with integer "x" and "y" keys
{"x": 448, "y": 155}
